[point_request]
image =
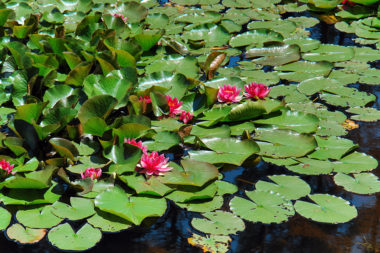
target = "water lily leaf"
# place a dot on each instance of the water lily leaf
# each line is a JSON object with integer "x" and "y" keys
{"x": 362, "y": 183}
{"x": 60, "y": 93}
{"x": 218, "y": 223}
{"x": 309, "y": 166}
{"x": 291, "y": 187}
{"x": 64, "y": 147}
{"x": 167, "y": 124}
{"x": 126, "y": 156}
{"x": 151, "y": 186}
{"x": 327, "y": 208}
{"x": 78, "y": 74}
{"x": 199, "y": 17}
{"x": 175, "y": 63}
{"x": 157, "y": 20}
{"x": 108, "y": 222}
{"x": 64, "y": 237}
{"x": 255, "y": 37}
{"x": 4, "y": 14}
{"x": 239, "y": 129}
{"x": 305, "y": 44}
{"x": 280, "y": 161}
{"x": 314, "y": 85}
{"x": 355, "y": 162}
{"x": 80, "y": 208}
{"x": 131, "y": 130}
{"x": 33, "y": 180}
{"x": 332, "y": 148}
{"x": 364, "y": 114}
{"x": 38, "y": 217}
{"x": 253, "y": 109}
{"x": 5, "y": 217}
{"x": 163, "y": 141}
{"x": 297, "y": 121}
{"x": 301, "y": 70}
{"x": 274, "y": 54}
{"x": 202, "y": 206}
{"x": 262, "y": 207}
{"x": 191, "y": 193}
{"x": 202, "y": 132}
{"x": 193, "y": 173}
{"x": 331, "y": 128}
{"x": 25, "y": 235}
{"x": 285, "y": 27}
{"x": 117, "y": 83}
{"x": 370, "y": 76}
{"x": 346, "y": 97}
{"x": 212, "y": 243}
{"x": 284, "y": 143}
{"x": 211, "y": 34}
{"x": 133, "y": 209}
{"x": 331, "y": 53}
{"x": 97, "y": 106}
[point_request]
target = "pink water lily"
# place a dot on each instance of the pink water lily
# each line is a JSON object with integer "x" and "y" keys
{"x": 256, "y": 90}
{"x": 145, "y": 99}
{"x": 137, "y": 144}
{"x": 6, "y": 166}
{"x": 92, "y": 173}
{"x": 185, "y": 116}
{"x": 153, "y": 164}
{"x": 174, "y": 106}
{"x": 228, "y": 94}
{"x": 121, "y": 16}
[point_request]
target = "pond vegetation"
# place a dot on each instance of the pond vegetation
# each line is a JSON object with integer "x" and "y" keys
{"x": 114, "y": 112}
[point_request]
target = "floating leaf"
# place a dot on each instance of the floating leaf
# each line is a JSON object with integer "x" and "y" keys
{"x": 212, "y": 243}
{"x": 25, "y": 235}
{"x": 291, "y": 187}
{"x": 355, "y": 162}
{"x": 108, "y": 222}
{"x": 362, "y": 183}
{"x": 80, "y": 208}
{"x": 218, "y": 223}
{"x": 64, "y": 237}
{"x": 309, "y": 166}
{"x": 332, "y": 148}
{"x": 364, "y": 114}
{"x": 327, "y": 208}
{"x": 38, "y": 217}
{"x": 5, "y": 218}
{"x": 262, "y": 207}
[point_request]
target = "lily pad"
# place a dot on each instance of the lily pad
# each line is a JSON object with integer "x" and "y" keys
{"x": 355, "y": 162}
{"x": 265, "y": 207}
{"x": 65, "y": 238}
{"x": 218, "y": 223}
{"x": 38, "y": 217}
{"x": 5, "y": 218}
{"x": 25, "y": 235}
{"x": 108, "y": 222}
{"x": 362, "y": 183}
{"x": 80, "y": 208}
{"x": 327, "y": 208}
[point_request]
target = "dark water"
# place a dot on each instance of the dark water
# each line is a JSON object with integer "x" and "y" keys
{"x": 170, "y": 232}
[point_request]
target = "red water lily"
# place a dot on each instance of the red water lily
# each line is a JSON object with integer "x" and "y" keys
{"x": 228, "y": 93}
{"x": 185, "y": 116}
{"x": 6, "y": 166}
{"x": 174, "y": 106}
{"x": 153, "y": 164}
{"x": 256, "y": 90}
{"x": 121, "y": 16}
{"x": 347, "y": 4}
{"x": 137, "y": 144}
{"x": 145, "y": 99}
{"x": 92, "y": 173}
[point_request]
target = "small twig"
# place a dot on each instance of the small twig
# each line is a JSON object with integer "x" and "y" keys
{"x": 245, "y": 181}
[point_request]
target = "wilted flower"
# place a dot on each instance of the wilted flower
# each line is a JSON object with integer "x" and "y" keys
{"x": 6, "y": 166}
{"x": 229, "y": 93}
{"x": 121, "y": 16}
{"x": 137, "y": 144}
{"x": 92, "y": 173}
{"x": 174, "y": 106}
{"x": 256, "y": 90}
{"x": 147, "y": 99}
{"x": 185, "y": 116}
{"x": 153, "y": 164}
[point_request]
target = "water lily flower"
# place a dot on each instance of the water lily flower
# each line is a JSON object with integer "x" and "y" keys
{"x": 92, "y": 173}
{"x": 137, "y": 144}
{"x": 147, "y": 99}
{"x": 174, "y": 106}
{"x": 229, "y": 93}
{"x": 347, "y": 3}
{"x": 121, "y": 16}
{"x": 185, "y": 116}
{"x": 256, "y": 90}
{"x": 6, "y": 166}
{"x": 153, "y": 164}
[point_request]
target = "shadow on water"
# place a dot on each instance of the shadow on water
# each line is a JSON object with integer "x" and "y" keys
{"x": 169, "y": 233}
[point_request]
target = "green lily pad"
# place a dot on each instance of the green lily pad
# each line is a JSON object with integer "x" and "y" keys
{"x": 134, "y": 209}
{"x": 355, "y": 162}
{"x": 364, "y": 114}
{"x": 38, "y": 217}
{"x": 331, "y": 53}
{"x": 327, "y": 208}
{"x": 309, "y": 166}
{"x": 255, "y": 37}
{"x": 218, "y": 223}
{"x": 274, "y": 54}
{"x": 362, "y": 183}
{"x": 80, "y": 208}
{"x": 5, "y": 218}
{"x": 262, "y": 207}
{"x": 202, "y": 206}
{"x": 65, "y": 238}
{"x": 332, "y": 147}
{"x": 291, "y": 187}
{"x": 108, "y": 222}
{"x": 163, "y": 141}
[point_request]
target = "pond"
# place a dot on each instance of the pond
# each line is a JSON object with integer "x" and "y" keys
{"x": 346, "y": 86}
